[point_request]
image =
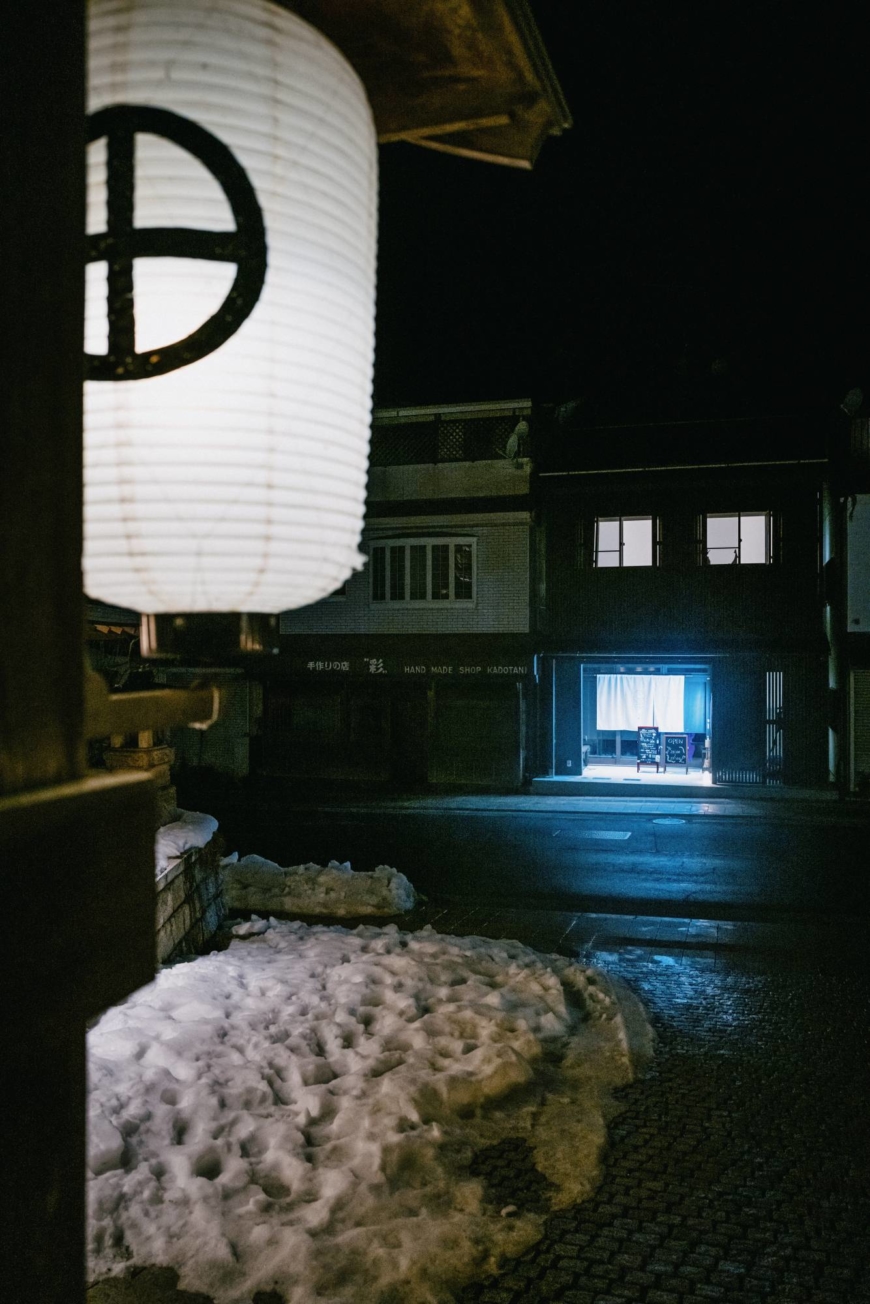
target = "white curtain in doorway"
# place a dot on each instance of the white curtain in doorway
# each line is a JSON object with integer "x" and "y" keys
{"x": 629, "y": 701}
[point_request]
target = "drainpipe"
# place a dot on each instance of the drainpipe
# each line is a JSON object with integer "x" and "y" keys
{"x": 552, "y": 715}
{"x": 835, "y": 581}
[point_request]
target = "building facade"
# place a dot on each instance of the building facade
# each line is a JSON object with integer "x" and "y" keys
{"x": 417, "y": 672}
{"x": 679, "y": 577}
{"x": 533, "y": 594}
{"x": 531, "y": 591}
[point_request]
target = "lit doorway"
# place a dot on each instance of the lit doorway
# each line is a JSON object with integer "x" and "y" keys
{"x": 670, "y": 701}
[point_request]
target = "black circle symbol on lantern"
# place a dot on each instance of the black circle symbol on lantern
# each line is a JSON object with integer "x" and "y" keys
{"x": 121, "y": 242}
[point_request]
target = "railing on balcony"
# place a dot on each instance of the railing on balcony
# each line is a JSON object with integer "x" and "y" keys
{"x": 407, "y": 443}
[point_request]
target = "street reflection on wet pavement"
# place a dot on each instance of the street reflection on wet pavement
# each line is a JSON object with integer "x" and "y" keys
{"x": 738, "y": 1170}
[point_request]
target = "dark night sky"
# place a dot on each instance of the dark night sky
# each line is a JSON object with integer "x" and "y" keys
{"x": 698, "y": 243}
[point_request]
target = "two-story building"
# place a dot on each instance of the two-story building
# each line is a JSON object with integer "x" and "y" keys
{"x": 678, "y": 587}
{"x": 418, "y": 670}
{"x": 531, "y": 599}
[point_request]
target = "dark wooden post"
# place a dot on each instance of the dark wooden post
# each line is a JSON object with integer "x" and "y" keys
{"x": 41, "y": 309}
{"x": 76, "y": 852}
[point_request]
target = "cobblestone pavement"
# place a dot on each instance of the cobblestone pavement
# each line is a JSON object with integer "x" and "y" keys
{"x": 738, "y": 1170}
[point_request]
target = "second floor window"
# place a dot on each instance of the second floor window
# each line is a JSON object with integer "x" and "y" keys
{"x": 737, "y": 538}
{"x": 623, "y": 541}
{"x": 423, "y": 571}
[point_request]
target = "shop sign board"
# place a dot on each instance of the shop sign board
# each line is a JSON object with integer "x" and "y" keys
{"x": 675, "y": 750}
{"x": 407, "y": 669}
{"x": 648, "y": 746}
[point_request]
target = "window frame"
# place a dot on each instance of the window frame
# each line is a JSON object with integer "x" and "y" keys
{"x": 655, "y": 541}
{"x": 770, "y": 527}
{"x": 429, "y": 541}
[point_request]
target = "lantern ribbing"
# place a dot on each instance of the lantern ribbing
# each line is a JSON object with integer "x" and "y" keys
{"x": 235, "y": 481}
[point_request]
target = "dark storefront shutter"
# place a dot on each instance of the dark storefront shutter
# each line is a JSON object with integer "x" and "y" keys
{"x": 861, "y": 723}
{"x": 739, "y": 716}
{"x": 477, "y": 737}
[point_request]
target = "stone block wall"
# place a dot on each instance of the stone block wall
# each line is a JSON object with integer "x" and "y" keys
{"x": 144, "y": 751}
{"x": 190, "y": 903}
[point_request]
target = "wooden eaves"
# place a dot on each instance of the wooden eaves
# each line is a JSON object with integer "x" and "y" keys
{"x": 468, "y": 77}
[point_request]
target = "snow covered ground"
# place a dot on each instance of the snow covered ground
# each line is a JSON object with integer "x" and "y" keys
{"x": 253, "y": 883}
{"x": 298, "y": 1112}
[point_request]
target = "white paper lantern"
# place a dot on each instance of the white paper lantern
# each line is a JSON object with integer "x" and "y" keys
{"x": 234, "y": 481}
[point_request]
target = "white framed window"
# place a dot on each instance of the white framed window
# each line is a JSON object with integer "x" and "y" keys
{"x": 424, "y": 572}
{"x": 737, "y": 538}
{"x": 624, "y": 540}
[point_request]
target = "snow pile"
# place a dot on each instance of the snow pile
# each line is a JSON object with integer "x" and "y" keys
{"x": 253, "y": 883}
{"x": 191, "y": 829}
{"x": 299, "y": 1112}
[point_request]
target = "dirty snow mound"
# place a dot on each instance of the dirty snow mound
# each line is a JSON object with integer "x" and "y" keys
{"x": 298, "y": 1113}
{"x": 253, "y": 883}
{"x": 191, "y": 829}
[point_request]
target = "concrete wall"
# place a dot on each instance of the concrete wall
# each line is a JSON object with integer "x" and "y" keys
{"x": 683, "y": 606}
{"x": 859, "y": 566}
{"x": 225, "y": 745}
{"x": 502, "y": 599}
{"x": 486, "y": 479}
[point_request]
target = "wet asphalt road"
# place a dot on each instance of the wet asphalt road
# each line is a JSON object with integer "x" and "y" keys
{"x": 785, "y": 861}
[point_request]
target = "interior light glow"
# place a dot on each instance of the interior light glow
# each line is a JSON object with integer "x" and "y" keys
{"x": 236, "y": 480}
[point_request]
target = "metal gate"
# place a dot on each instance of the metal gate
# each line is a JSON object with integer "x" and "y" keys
{"x": 748, "y": 729}
{"x": 773, "y": 727}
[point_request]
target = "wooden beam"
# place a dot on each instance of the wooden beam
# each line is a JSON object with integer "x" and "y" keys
{"x": 446, "y": 128}
{"x": 77, "y": 869}
{"x": 158, "y": 708}
{"x": 41, "y": 332}
{"x": 480, "y": 155}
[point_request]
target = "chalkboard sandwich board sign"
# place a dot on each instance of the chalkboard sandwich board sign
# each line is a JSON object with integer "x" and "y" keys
{"x": 675, "y": 750}
{"x": 648, "y": 746}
